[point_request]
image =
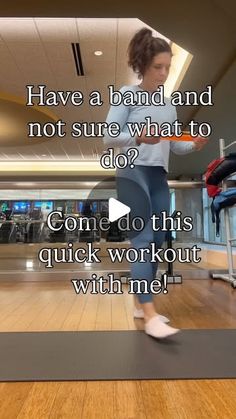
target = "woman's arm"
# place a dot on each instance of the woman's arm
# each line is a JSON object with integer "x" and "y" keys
{"x": 183, "y": 147}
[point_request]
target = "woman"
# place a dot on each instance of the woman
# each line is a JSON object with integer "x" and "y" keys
{"x": 151, "y": 58}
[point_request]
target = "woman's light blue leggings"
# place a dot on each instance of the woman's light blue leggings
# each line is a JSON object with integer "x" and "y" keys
{"x": 145, "y": 190}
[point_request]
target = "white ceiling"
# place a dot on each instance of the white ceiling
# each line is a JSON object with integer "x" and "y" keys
{"x": 38, "y": 51}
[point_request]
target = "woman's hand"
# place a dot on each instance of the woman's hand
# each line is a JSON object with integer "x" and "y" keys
{"x": 200, "y": 142}
{"x": 148, "y": 140}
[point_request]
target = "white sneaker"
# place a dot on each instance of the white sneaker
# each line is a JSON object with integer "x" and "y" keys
{"x": 157, "y": 329}
{"x": 139, "y": 314}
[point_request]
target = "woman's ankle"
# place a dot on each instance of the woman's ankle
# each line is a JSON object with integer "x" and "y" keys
{"x": 149, "y": 316}
{"x": 137, "y": 304}
{"x": 149, "y": 311}
{"x": 148, "y": 308}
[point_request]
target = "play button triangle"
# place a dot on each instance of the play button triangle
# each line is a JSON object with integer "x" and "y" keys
{"x": 116, "y": 209}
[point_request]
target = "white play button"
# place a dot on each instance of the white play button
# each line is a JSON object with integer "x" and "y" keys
{"x": 116, "y": 209}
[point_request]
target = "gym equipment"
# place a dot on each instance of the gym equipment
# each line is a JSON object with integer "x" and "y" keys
{"x": 220, "y": 201}
{"x": 114, "y": 234}
{"x": 221, "y": 173}
{"x": 170, "y": 276}
{"x": 8, "y": 232}
{"x": 117, "y": 355}
{"x": 184, "y": 137}
{"x": 33, "y": 232}
{"x": 217, "y": 171}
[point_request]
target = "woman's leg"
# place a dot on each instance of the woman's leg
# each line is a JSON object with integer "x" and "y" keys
{"x": 141, "y": 205}
{"x": 160, "y": 200}
{"x": 133, "y": 190}
{"x": 146, "y": 191}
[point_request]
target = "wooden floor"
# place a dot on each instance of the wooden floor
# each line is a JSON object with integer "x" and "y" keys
{"x": 32, "y": 306}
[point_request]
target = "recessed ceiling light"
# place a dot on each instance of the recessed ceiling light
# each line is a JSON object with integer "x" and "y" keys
{"x": 43, "y": 155}
{"x": 98, "y": 52}
{"x": 29, "y": 264}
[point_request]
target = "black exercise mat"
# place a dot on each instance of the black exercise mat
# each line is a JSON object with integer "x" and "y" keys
{"x": 117, "y": 355}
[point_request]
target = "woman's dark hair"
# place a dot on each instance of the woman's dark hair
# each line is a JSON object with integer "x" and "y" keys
{"x": 142, "y": 49}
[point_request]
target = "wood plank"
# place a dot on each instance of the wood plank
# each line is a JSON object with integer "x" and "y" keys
{"x": 12, "y": 398}
{"x": 39, "y": 401}
{"x": 99, "y": 400}
{"x": 69, "y": 401}
{"x": 128, "y": 400}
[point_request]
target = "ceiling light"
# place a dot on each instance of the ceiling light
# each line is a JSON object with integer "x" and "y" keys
{"x": 25, "y": 184}
{"x": 98, "y": 52}
{"x": 43, "y": 155}
{"x": 87, "y": 263}
{"x": 29, "y": 264}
